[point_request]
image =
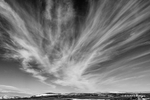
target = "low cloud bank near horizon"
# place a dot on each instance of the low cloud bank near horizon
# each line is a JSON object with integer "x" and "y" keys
{"x": 12, "y": 91}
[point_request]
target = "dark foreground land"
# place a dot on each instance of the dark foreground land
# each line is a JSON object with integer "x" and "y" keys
{"x": 90, "y": 96}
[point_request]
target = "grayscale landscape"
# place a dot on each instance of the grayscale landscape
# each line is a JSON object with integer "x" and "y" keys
{"x": 75, "y": 49}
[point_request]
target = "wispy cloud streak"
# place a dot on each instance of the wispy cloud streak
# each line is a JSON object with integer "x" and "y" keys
{"x": 49, "y": 44}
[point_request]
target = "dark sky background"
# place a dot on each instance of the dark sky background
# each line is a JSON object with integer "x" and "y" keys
{"x": 121, "y": 58}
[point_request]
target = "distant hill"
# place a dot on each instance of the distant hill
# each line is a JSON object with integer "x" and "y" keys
{"x": 50, "y": 93}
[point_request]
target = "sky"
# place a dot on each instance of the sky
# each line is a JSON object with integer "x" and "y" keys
{"x": 74, "y": 46}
